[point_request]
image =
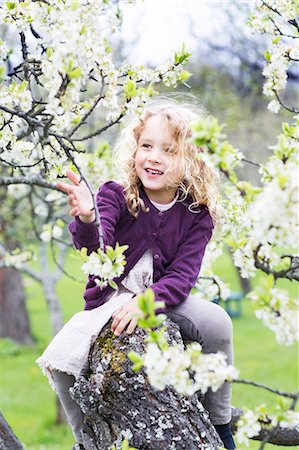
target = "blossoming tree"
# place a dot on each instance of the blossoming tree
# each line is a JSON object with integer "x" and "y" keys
{"x": 68, "y": 90}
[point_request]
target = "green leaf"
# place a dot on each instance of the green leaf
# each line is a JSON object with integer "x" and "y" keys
{"x": 110, "y": 252}
{"x": 112, "y": 284}
{"x": 49, "y": 52}
{"x": 130, "y": 89}
{"x": 267, "y": 55}
{"x": 181, "y": 56}
{"x": 75, "y": 73}
{"x": 11, "y": 5}
{"x": 83, "y": 252}
{"x": 120, "y": 249}
{"x": 137, "y": 360}
{"x": 184, "y": 75}
{"x": 269, "y": 281}
{"x": 2, "y": 72}
{"x": 125, "y": 445}
{"x": 276, "y": 40}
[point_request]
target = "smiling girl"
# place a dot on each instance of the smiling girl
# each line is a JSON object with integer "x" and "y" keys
{"x": 164, "y": 206}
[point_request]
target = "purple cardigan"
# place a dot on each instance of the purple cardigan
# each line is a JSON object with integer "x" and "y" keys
{"x": 177, "y": 237}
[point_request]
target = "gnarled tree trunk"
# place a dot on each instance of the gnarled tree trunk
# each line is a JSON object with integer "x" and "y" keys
{"x": 8, "y": 441}
{"x": 118, "y": 402}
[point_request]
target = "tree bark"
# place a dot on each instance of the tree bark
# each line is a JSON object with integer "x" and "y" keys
{"x": 8, "y": 441}
{"x": 118, "y": 402}
{"x": 14, "y": 322}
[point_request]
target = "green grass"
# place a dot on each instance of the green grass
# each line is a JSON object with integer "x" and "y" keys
{"x": 28, "y": 403}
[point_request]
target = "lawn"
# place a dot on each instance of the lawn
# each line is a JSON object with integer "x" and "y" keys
{"x": 28, "y": 403}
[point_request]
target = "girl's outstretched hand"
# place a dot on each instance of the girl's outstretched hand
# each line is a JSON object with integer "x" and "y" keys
{"x": 126, "y": 316}
{"x": 79, "y": 197}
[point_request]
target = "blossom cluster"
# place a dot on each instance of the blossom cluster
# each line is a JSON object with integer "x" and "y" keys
{"x": 272, "y": 220}
{"x": 278, "y": 311}
{"x": 275, "y": 19}
{"x": 250, "y": 423}
{"x": 17, "y": 258}
{"x": 73, "y": 63}
{"x": 187, "y": 371}
{"x": 104, "y": 266}
{"x": 51, "y": 231}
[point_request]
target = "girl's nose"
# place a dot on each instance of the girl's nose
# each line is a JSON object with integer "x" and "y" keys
{"x": 154, "y": 155}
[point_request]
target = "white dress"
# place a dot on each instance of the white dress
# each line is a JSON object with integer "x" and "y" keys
{"x": 68, "y": 351}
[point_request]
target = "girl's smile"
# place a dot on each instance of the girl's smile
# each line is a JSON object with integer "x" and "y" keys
{"x": 154, "y": 161}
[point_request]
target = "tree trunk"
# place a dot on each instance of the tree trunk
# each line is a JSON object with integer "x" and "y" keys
{"x": 8, "y": 441}
{"x": 245, "y": 283}
{"x": 49, "y": 282}
{"x": 118, "y": 402}
{"x": 14, "y": 322}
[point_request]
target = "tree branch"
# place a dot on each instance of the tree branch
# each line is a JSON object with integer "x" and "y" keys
{"x": 23, "y": 115}
{"x": 281, "y": 436}
{"x": 32, "y": 179}
{"x": 291, "y": 273}
{"x": 267, "y": 388}
{"x": 101, "y": 130}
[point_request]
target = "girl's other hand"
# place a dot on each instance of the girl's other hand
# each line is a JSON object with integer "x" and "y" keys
{"x": 79, "y": 197}
{"x": 126, "y": 316}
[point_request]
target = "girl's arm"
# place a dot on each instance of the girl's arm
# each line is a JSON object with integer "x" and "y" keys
{"x": 181, "y": 274}
{"x": 111, "y": 204}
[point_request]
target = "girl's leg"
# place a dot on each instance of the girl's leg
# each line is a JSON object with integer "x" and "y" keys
{"x": 63, "y": 382}
{"x": 211, "y": 326}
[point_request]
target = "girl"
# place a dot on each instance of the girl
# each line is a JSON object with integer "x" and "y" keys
{"x": 164, "y": 208}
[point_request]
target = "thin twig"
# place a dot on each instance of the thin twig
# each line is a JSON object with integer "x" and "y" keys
{"x": 267, "y": 388}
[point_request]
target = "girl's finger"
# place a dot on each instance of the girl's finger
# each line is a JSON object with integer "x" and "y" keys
{"x": 117, "y": 319}
{"x": 72, "y": 201}
{"x": 132, "y": 326}
{"x": 67, "y": 188}
{"x": 122, "y": 324}
{"x": 73, "y": 177}
{"x": 118, "y": 310}
{"x": 74, "y": 211}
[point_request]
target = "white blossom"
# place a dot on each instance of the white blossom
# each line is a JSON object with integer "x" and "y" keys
{"x": 248, "y": 426}
{"x": 274, "y": 106}
{"x": 187, "y": 371}
{"x": 17, "y": 258}
{"x": 51, "y": 231}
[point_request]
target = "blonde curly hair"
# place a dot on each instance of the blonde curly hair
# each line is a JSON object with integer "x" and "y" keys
{"x": 198, "y": 181}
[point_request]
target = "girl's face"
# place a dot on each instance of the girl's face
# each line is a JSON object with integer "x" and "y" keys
{"x": 154, "y": 160}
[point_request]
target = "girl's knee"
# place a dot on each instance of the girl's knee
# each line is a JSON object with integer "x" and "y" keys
{"x": 214, "y": 318}
{"x": 216, "y": 329}
{"x": 224, "y": 322}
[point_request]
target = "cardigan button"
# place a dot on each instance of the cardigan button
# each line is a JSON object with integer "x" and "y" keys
{"x": 160, "y": 213}
{"x": 156, "y": 256}
{"x": 154, "y": 235}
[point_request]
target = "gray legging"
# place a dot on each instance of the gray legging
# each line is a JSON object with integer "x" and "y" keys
{"x": 210, "y": 325}
{"x": 199, "y": 320}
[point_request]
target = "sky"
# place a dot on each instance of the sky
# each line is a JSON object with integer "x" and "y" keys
{"x": 154, "y": 29}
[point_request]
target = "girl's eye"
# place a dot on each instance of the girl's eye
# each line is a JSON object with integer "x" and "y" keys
{"x": 170, "y": 150}
{"x": 146, "y": 145}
